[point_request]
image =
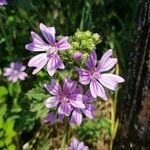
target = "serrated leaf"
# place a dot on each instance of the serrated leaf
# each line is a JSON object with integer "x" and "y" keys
{"x": 36, "y": 93}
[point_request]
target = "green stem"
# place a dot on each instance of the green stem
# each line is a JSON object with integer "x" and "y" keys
{"x": 114, "y": 121}
{"x": 65, "y": 136}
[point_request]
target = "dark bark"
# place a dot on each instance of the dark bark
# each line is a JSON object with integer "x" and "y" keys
{"x": 134, "y": 107}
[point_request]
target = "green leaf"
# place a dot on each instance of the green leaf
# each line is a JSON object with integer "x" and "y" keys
{"x": 37, "y": 94}
{"x": 3, "y": 109}
{"x": 9, "y": 124}
{"x": 11, "y": 147}
{"x": 2, "y": 143}
{"x": 37, "y": 97}
{"x": 3, "y": 91}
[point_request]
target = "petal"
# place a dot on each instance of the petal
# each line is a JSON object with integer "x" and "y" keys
{"x": 13, "y": 78}
{"x": 38, "y": 44}
{"x": 48, "y": 33}
{"x": 12, "y": 65}
{"x": 81, "y": 146}
{"x": 3, "y": 2}
{"x": 54, "y": 87}
{"x": 65, "y": 108}
{"x": 22, "y": 68}
{"x": 97, "y": 90}
{"x": 22, "y": 75}
{"x": 54, "y": 63}
{"x": 110, "y": 81}
{"x": 76, "y": 117}
{"x": 7, "y": 71}
{"x": 69, "y": 86}
{"x": 61, "y": 117}
{"x": 63, "y": 44}
{"x": 38, "y": 61}
{"x": 106, "y": 55}
{"x": 89, "y": 97}
{"x": 106, "y": 63}
{"x": 109, "y": 64}
{"x": 92, "y": 60}
{"x": 51, "y": 117}
{"x": 51, "y": 102}
{"x": 89, "y": 110}
{"x": 84, "y": 77}
{"x": 74, "y": 144}
{"x": 77, "y": 104}
{"x": 88, "y": 113}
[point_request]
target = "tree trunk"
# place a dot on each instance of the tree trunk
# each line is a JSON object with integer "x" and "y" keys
{"x": 134, "y": 107}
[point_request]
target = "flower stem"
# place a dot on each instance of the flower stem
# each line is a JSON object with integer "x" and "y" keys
{"x": 65, "y": 135}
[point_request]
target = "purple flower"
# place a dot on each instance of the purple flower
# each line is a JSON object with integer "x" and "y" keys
{"x": 66, "y": 98}
{"x": 3, "y": 2}
{"x": 77, "y": 56}
{"x": 88, "y": 111}
{"x": 52, "y": 118}
{"x": 96, "y": 75}
{"x": 15, "y": 72}
{"x": 76, "y": 145}
{"x": 50, "y": 50}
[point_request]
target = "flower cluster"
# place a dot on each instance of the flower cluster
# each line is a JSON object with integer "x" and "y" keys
{"x": 69, "y": 101}
{"x": 73, "y": 98}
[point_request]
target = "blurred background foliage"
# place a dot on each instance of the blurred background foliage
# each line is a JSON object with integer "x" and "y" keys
{"x": 114, "y": 20}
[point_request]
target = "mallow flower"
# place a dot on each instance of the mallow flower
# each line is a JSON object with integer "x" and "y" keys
{"x": 97, "y": 76}
{"x": 49, "y": 50}
{"x": 64, "y": 98}
{"x": 15, "y": 72}
{"x": 88, "y": 111}
{"x": 3, "y": 2}
{"x": 76, "y": 145}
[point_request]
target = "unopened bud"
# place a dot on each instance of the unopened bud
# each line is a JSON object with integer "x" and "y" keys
{"x": 77, "y": 56}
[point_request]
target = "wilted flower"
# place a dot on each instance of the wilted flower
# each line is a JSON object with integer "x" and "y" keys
{"x": 15, "y": 72}
{"x": 96, "y": 75}
{"x": 65, "y": 98}
{"x": 3, "y": 2}
{"x": 50, "y": 50}
{"x": 76, "y": 145}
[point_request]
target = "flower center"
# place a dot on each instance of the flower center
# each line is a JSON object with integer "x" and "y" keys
{"x": 15, "y": 72}
{"x": 94, "y": 75}
{"x": 52, "y": 50}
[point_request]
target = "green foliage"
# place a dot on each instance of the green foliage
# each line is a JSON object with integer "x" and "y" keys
{"x": 94, "y": 129}
{"x": 37, "y": 97}
{"x": 7, "y": 132}
{"x": 3, "y": 91}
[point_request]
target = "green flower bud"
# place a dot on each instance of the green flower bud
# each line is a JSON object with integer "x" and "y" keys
{"x": 88, "y": 34}
{"x": 83, "y": 44}
{"x": 85, "y": 57}
{"x": 96, "y": 37}
{"x": 75, "y": 45}
{"x": 79, "y": 35}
